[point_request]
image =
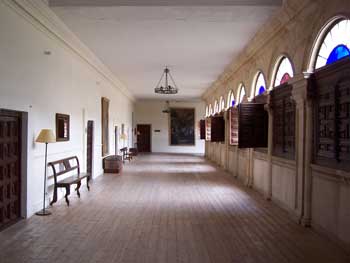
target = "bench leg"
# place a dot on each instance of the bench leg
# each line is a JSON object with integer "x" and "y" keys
{"x": 54, "y": 199}
{"x": 77, "y": 189}
{"x": 87, "y": 183}
{"x": 67, "y": 194}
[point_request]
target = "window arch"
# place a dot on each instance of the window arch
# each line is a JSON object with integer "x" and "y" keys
{"x": 210, "y": 110}
{"x": 241, "y": 94}
{"x": 259, "y": 84}
{"x": 216, "y": 107}
{"x": 335, "y": 43}
{"x": 206, "y": 111}
{"x": 284, "y": 71}
{"x": 230, "y": 99}
{"x": 222, "y": 104}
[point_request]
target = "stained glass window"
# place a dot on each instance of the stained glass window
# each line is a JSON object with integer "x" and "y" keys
{"x": 216, "y": 107}
{"x": 284, "y": 72}
{"x": 230, "y": 99}
{"x": 241, "y": 93}
{"x": 260, "y": 84}
{"x": 336, "y": 44}
{"x": 222, "y": 103}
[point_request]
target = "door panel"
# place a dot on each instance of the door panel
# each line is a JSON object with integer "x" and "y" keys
{"x": 10, "y": 152}
{"x": 90, "y": 136}
{"x": 144, "y": 138}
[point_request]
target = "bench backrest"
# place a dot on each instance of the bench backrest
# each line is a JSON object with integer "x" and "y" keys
{"x": 64, "y": 165}
{"x": 125, "y": 149}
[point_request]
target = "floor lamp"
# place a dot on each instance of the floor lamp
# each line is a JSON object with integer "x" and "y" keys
{"x": 46, "y": 136}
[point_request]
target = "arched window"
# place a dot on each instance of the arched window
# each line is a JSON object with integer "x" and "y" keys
{"x": 260, "y": 84}
{"x": 242, "y": 93}
{"x": 284, "y": 72}
{"x": 216, "y": 107}
{"x": 210, "y": 110}
{"x": 206, "y": 111}
{"x": 222, "y": 104}
{"x": 335, "y": 44}
{"x": 230, "y": 99}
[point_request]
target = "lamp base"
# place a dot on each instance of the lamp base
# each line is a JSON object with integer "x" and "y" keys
{"x": 43, "y": 213}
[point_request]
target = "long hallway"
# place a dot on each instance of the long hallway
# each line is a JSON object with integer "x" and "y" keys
{"x": 166, "y": 208}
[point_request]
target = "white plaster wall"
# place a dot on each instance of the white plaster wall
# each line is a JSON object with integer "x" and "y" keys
{"x": 330, "y": 206}
{"x": 44, "y": 85}
{"x": 243, "y": 164}
{"x": 260, "y": 174}
{"x": 150, "y": 112}
{"x": 283, "y": 185}
{"x": 232, "y": 157}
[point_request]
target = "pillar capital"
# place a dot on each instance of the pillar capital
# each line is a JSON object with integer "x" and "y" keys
{"x": 300, "y": 85}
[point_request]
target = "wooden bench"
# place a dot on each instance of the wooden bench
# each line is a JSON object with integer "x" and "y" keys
{"x": 126, "y": 154}
{"x": 65, "y": 166}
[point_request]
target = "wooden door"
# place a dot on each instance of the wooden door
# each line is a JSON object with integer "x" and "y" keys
{"x": 10, "y": 159}
{"x": 89, "y": 152}
{"x": 144, "y": 138}
{"x": 116, "y": 140}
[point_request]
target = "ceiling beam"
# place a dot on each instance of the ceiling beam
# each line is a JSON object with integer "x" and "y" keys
{"x": 165, "y": 2}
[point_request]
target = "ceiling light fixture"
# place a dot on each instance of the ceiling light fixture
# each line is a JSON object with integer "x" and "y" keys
{"x": 166, "y": 89}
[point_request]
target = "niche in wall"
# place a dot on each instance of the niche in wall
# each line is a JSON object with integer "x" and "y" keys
{"x": 105, "y": 125}
{"x": 62, "y": 127}
{"x": 330, "y": 90}
{"x": 283, "y": 107}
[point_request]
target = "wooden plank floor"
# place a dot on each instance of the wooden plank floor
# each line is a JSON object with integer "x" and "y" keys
{"x": 166, "y": 208}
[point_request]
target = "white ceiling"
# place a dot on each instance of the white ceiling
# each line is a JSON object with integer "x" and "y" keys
{"x": 137, "y": 42}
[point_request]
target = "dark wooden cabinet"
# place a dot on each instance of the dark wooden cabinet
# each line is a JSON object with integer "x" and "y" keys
{"x": 218, "y": 128}
{"x": 253, "y": 125}
{"x": 208, "y": 129}
{"x": 284, "y": 109}
{"x": 202, "y": 129}
{"x": 233, "y": 124}
{"x": 330, "y": 90}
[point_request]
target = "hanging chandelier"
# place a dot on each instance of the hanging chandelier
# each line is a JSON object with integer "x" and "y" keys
{"x": 166, "y": 89}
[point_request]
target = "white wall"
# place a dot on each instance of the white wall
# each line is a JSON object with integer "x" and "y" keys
{"x": 150, "y": 112}
{"x": 44, "y": 85}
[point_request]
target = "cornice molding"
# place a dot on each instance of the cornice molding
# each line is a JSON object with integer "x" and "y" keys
{"x": 44, "y": 19}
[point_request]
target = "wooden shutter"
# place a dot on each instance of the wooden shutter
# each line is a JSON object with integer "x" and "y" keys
{"x": 208, "y": 129}
{"x": 330, "y": 87}
{"x": 253, "y": 125}
{"x": 217, "y": 129}
{"x": 233, "y": 122}
{"x": 283, "y": 121}
{"x": 202, "y": 129}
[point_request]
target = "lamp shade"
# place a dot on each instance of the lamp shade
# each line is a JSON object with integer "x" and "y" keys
{"x": 123, "y": 136}
{"x": 46, "y": 136}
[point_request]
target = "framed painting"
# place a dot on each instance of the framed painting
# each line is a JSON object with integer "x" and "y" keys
{"x": 62, "y": 127}
{"x": 182, "y": 127}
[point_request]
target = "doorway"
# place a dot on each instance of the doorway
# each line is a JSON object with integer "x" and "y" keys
{"x": 13, "y": 136}
{"x": 144, "y": 138}
{"x": 116, "y": 140}
{"x": 89, "y": 147}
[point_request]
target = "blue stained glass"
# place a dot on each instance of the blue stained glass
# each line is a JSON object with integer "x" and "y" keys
{"x": 233, "y": 103}
{"x": 261, "y": 90}
{"x": 337, "y": 53}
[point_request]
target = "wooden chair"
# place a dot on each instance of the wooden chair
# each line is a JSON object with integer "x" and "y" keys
{"x": 65, "y": 167}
